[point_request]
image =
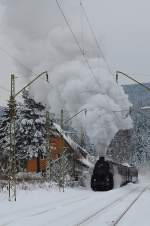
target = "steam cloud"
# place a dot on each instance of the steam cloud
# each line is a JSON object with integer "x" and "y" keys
{"x": 44, "y": 42}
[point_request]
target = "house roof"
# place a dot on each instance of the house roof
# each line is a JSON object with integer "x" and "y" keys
{"x": 76, "y": 147}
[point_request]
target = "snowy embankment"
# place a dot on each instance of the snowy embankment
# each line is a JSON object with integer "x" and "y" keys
{"x": 50, "y": 207}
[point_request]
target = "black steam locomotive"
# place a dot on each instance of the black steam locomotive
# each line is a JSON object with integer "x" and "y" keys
{"x": 108, "y": 174}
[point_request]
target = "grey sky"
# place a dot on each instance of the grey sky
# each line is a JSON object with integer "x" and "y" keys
{"x": 123, "y": 30}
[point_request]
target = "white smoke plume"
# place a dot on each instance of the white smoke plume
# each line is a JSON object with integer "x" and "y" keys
{"x": 44, "y": 42}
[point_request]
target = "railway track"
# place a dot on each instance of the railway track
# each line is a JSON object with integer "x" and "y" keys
{"x": 101, "y": 210}
{"x": 46, "y": 209}
{"x": 52, "y": 204}
{"x": 115, "y": 223}
{"x": 114, "y": 209}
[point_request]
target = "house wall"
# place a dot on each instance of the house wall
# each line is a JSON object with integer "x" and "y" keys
{"x": 57, "y": 145}
{"x": 32, "y": 165}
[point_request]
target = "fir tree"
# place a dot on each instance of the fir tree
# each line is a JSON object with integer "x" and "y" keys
{"x": 141, "y": 131}
{"x": 4, "y": 139}
{"x": 31, "y": 128}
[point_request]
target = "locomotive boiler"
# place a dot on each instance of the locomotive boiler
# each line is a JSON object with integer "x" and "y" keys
{"x": 108, "y": 174}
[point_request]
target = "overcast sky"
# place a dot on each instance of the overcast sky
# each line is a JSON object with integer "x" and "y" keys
{"x": 122, "y": 29}
{"x": 125, "y": 31}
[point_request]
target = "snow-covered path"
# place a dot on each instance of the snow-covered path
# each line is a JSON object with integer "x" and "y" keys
{"x": 76, "y": 207}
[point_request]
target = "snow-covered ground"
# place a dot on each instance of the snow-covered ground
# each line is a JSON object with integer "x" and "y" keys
{"x": 74, "y": 207}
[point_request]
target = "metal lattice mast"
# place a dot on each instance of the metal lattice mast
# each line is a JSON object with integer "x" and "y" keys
{"x": 12, "y": 151}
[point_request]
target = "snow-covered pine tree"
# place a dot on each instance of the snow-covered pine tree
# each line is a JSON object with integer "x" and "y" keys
{"x": 20, "y": 151}
{"x": 32, "y": 129}
{"x": 5, "y": 137}
{"x": 141, "y": 130}
{"x": 4, "y": 140}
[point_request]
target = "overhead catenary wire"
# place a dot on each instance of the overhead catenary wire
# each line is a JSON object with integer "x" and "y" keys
{"x": 82, "y": 30}
{"x": 14, "y": 57}
{"x": 77, "y": 43}
{"x": 133, "y": 109}
{"x": 97, "y": 43}
{"x": 100, "y": 51}
{"x": 16, "y": 60}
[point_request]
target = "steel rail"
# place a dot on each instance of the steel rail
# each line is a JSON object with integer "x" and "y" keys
{"x": 129, "y": 207}
{"x": 104, "y": 208}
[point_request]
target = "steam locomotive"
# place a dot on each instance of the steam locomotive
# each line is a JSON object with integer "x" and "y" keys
{"x": 108, "y": 174}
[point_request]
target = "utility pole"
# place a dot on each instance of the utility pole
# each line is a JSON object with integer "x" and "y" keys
{"x": 49, "y": 154}
{"x": 12, "y": 152}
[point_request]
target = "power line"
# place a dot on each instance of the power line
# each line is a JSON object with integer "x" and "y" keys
{"x": 77, "y": 43}
{"x": 100, "y": 53}
{"x": 69, "y": 26}
{"x": 82, "y": 29}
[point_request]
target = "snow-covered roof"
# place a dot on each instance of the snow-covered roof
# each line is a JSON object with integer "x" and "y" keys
{"x": 125, "y": 164}
{"x": 118, "y": 163}
{"x": 69, "y": 140}
{"x": 145, "y": 107}
{"x": 86, "y": 162}
{"x": 75, "y": 146}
